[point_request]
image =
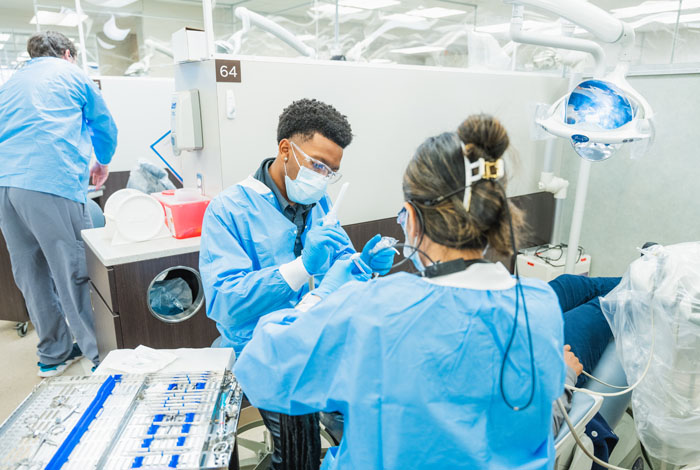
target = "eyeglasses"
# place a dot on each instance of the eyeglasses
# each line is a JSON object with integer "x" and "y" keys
{"x": 401, "y": 217}
{"x": 319, "y": 167}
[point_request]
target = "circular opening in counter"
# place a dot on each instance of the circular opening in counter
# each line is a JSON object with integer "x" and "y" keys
{"x": 175, "y": 294}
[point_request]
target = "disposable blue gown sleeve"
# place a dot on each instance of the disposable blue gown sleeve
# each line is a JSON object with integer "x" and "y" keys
{"x": 298, "y": 362}
{"x": 236, "y": 293}
{"x": 103, "y": 130}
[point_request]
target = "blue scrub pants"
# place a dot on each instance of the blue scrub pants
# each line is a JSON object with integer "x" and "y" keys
{"x": 42, "y": 232}
{"x": 585, "y": 328}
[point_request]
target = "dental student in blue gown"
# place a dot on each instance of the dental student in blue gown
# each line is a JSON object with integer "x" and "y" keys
{"x": 263, "y": 238}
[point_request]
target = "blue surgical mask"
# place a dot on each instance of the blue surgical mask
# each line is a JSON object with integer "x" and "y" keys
{"x": 410, "y": 252}
{"x": 308, "y": 187}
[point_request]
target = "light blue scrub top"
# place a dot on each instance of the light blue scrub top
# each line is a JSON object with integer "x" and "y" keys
{"x": 245, "y": 238}
{"x": 52, "y": 115}
{"x": 414, "y": 368}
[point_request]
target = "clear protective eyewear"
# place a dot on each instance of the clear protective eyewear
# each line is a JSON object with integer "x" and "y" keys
{"x": 401, "y": 217}
{"x": 319, "y": 167}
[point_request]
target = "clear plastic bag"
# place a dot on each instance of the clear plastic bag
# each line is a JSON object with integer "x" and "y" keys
{"x": 170, "y": 297}
{"x": 663, "y": 284}
{"x": 149, "y": 178}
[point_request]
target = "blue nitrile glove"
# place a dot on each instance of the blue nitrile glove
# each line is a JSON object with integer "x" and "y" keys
{"x": 321, "y": 247}
{"x": 342, "y": 271}
{"x": 380, "y": 262}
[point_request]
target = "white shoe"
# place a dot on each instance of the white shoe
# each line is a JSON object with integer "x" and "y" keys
{"x": 46, "y": 370}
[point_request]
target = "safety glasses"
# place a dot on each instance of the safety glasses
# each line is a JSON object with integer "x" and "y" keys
{"x": 318, "y": 166}
{"x": 401, "y": 218}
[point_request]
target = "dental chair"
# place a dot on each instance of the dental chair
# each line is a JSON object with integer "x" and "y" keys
{"x": 583, "y": 409}
{"x": 95, "y": 213}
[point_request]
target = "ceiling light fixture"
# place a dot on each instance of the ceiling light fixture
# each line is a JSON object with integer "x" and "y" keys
{"x": 418, "y": 50}
{"x": 435, "y": 12}
{"x": 369, "y": 4}
{"x": 403, "y": 18}
{"x": 66, "y": 18}
{"x": 649, "y": 8}
{"x": 327, "y": 9}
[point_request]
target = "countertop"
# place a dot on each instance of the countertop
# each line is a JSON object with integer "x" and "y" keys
{"x": 109, "y": 255}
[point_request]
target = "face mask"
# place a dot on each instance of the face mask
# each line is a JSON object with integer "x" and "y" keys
{"x": 411, "y": 253}
{"x": 308, "y": 187}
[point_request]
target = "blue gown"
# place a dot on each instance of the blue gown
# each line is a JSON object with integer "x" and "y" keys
{"x": 52, "y": 116}
{"x": 414, "y": 368}
{"x": 245, "y": 238}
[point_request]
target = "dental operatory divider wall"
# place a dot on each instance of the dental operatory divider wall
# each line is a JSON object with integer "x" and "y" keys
{"x": 392, "y": 109}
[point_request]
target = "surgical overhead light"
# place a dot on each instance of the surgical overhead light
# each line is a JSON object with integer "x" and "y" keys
{"x": 114, "y": 32}
{"x": 105, "y": 45}
{"x": 599, "y": 116}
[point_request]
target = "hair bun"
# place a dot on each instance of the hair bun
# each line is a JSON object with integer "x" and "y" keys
{"x": 484, "y": 136}
{"x": 474, "y": 152}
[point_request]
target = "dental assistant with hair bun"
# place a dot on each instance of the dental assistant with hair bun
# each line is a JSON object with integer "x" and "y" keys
{"x": 455, "y": 367}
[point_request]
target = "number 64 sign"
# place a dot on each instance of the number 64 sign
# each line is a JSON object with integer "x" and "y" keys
{"x": 228, "y": 70}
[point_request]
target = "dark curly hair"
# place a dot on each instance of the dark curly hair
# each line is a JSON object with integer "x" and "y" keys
{"x": 305, "y": 117}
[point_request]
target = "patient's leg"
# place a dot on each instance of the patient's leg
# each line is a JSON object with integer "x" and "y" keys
{"x": 585, "y": 326}
{"x": 573, "y": 290}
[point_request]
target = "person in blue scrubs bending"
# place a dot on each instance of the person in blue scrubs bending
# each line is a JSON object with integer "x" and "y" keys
{"x": 456, "y": 367}
{"x": 263, "y": 238}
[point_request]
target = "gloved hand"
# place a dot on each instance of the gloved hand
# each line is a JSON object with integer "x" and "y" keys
{"x": 98, "y": 174}
{"x": 342, "y": 271}
{"x": 380, "y": 262}
{"x": 321, "y": 247}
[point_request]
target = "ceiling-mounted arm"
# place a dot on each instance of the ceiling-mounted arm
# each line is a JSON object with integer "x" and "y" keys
{"x": 152, "y": 44}
{"x": 599, "y": 22}
{"x": 561, "y": 42}
{"x": 355, "y": 53}
{"x": 251, "y": 18}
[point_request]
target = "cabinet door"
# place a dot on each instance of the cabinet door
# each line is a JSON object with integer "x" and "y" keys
{"x": 107, "y": 325}
{"x": 12, "y": 307}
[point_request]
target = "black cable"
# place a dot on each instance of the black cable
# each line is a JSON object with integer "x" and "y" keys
{"x": 539, "y": 252}
{"x": 519, "y": 292}
{"x": 415, "y": 248}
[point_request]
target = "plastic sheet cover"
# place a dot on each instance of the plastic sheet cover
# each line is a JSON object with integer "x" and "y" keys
{"x": 149, "y": 178}
{"x": 170, "y": 297}
{"x": 662, "y": 287}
